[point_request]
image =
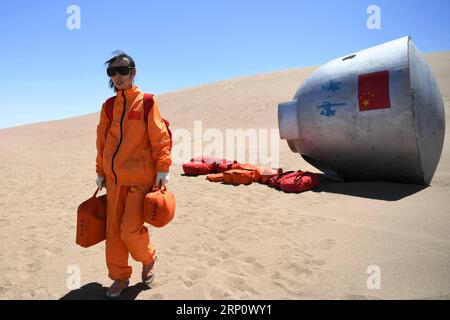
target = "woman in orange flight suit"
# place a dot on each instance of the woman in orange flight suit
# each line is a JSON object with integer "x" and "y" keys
{"x": 132, "y": 155}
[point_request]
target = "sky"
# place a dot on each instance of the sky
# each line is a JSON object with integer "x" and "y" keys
{"x": 51, "y": 71}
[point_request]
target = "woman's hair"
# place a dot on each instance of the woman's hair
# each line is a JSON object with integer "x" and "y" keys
{"x": 119, "y": 55}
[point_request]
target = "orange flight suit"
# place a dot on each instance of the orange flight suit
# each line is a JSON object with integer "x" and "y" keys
{"x": 130, "y": 151}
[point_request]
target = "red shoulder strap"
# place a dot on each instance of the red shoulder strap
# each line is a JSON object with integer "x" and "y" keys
{"x": 169, "y": 131}
{"x": 109, "y": 105}
{"x": 148, "y": 104}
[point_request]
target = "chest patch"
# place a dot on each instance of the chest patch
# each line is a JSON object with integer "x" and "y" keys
{"x": 134, "y": 115}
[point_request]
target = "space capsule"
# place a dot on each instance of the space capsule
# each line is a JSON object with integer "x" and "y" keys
{"x": 376, "y": 114}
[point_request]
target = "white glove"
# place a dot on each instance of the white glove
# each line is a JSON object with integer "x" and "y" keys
{"x": 162, "y": 179}
{"x": 100, "y": 182}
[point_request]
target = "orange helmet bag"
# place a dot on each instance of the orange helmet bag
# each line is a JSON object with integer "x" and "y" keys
{"x": 91, "y": 221}
{"x": 159, "y": 207}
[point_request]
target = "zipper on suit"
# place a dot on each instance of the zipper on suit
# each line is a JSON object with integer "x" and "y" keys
{"x": 121, "y": 136}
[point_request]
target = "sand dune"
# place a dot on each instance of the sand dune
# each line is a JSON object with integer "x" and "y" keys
{"x": 226, "y": 242}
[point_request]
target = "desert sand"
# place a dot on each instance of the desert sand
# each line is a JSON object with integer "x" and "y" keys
{"x": 245, "y": 242}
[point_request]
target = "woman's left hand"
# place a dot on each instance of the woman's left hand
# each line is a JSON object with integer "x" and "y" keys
{"x": 162, "y": 179}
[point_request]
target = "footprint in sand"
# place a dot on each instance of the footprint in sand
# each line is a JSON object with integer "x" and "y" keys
{"x": 224, "y": 255}
{"x": 34, "y": 266}
{"x": 326, "y": 244}
{"x": 156, "y": 296}
{"x": 187, "y": 283}
{"x": 217, "y": 293}
{"x": 252, "y": 267}
{"x": 40, "y": 293}
{"x": 238, "y": 285}
{"x": 222, "y": 237}
{"x": 212, "y": 262}
{"x": 171, "y": 250}
{"x": 174, "y": 247}
{"x": 314, "y": 262}
{"x": 290, "y": 285}
{"x": 191, "y": 277}
{"x": 292, "y": 275}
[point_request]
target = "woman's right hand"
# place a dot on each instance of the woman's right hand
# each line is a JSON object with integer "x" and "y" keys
{"x": 100, "y": 182}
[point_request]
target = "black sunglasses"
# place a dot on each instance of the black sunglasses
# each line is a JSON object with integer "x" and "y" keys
{"x": 122, "y": 70}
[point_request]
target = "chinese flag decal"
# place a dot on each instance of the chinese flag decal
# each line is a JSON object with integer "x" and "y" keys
{"x": 373, "y": 91}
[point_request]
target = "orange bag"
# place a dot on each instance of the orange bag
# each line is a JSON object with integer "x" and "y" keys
{"x": 262, "y": 175}
{"x": 159, "y": 207}
{"x": 215, "y": 177}
{"x": 228, "y": 177}
{"x": 91, "y": 221}
{"x": 243, "y": 177}
{"x": 238, "y": 176}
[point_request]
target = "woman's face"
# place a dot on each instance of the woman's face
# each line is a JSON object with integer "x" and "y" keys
{"x": 122, "y": 82}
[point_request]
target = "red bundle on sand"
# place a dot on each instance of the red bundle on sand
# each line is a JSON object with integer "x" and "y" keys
{"x": 232, "y": 172}
{"x": 207, "y": 159}
{"x": 198, "y": 168}
{"x": 262, "y": 175}
{"x": 275, "y": 181}
{"x": 219, "y": 165}
{"x": 299, "y": 182}
{"x": 224, "y": 165}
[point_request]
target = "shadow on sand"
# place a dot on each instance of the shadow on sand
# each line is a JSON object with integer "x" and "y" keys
{"x": 95, "y": 291}
{"x": 379, "y": 190}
